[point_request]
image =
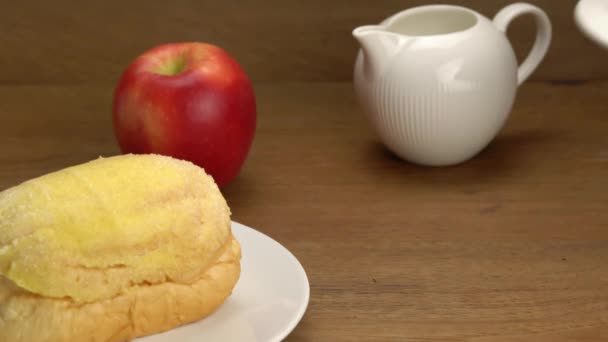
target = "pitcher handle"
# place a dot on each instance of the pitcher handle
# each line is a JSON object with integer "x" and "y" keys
{"x": 543, "y": 35}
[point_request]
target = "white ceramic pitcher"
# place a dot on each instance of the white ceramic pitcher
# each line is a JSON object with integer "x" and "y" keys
{"x": 438, "y": 81}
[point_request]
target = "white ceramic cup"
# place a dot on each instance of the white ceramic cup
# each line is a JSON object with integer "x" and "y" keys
{"x": 591, "y": 17}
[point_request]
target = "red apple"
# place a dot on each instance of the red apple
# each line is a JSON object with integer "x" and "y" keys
{"x": 191, "y": 101}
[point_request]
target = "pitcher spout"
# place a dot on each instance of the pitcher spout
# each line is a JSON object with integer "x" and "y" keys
{"x": 379, "y": 47}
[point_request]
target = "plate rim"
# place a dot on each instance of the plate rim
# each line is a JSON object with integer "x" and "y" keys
{"x": 299, "y": 314}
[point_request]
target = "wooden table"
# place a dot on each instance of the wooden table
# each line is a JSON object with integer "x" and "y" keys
{"x": 510, "y": 246}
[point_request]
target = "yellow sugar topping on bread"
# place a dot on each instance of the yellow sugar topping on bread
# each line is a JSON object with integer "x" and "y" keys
{"x": 96, "y": 230}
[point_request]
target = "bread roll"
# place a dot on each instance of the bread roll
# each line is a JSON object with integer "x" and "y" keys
{"x": 113, "y": 249}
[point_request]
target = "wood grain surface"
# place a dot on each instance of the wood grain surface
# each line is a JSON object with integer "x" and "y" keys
{"x": 66, "y": 41}
{"x": 511, "y": 246}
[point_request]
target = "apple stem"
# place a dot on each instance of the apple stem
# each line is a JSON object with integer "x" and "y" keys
{"x": 172, "y": 67}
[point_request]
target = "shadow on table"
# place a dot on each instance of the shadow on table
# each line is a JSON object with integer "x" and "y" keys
{"x": 508, "y": 154}
{"x": 240, "y": 190}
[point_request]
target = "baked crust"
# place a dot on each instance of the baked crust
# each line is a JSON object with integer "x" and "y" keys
{"x": 142, "y": 310}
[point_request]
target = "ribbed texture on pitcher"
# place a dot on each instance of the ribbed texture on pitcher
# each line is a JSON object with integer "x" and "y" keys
{"x": 440, "y": 125}
{"x": 409, "y": 120}
{"x": 406, "y": 117}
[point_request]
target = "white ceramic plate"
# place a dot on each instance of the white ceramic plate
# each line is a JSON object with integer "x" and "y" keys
{"x": 267, "y": 303}
{"x": 592, "y": 18}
